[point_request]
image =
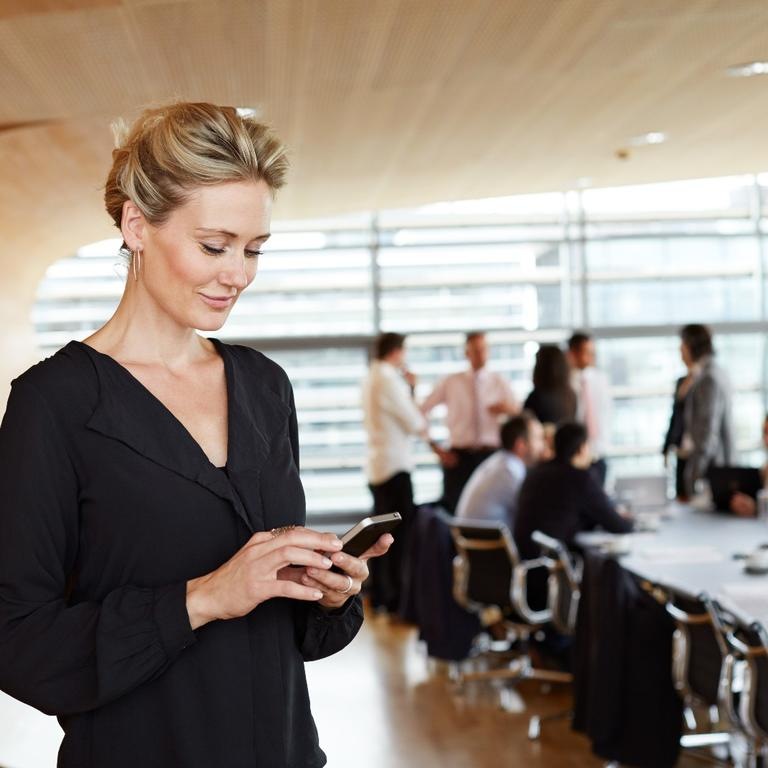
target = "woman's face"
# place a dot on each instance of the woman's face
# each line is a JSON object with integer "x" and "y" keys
{"x": 685, "y": 354}
{"x": 197, "y": 263}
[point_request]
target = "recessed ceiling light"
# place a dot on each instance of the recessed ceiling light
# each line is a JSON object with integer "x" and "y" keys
{"x": 750, "y": 69}
{"x": 248, "y": 111}
{"x": 652, "y": 137}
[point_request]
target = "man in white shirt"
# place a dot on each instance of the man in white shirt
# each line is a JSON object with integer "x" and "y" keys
{"x": 594, "y": 405}
{"x": 475, "y": 400}
{"x": 494, "y": 488}
{"x": 391, "y": 419}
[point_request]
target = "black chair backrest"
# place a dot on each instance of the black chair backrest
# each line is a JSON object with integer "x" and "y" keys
{"x": 490, "y": 556}
{"x": 748, "y": 640}
{"x": 705, "y": 648}
{"x": 562, "y": 599}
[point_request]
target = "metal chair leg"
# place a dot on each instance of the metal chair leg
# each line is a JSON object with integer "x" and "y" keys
{"x": 534, "y": 724}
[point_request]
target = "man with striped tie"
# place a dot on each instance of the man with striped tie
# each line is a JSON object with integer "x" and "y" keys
{"x": 475, "y": 400}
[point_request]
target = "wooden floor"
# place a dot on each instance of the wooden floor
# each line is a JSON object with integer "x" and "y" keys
{"x": 380, "y": 704}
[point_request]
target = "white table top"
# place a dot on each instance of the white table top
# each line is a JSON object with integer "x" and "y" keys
{"x": 693, "y": 552}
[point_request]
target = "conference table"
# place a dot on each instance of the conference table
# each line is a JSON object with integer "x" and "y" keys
{"x": 625, "y": 701}
{"x": 695, "y": 551}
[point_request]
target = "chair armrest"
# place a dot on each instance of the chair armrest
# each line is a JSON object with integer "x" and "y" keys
{"x": 519, "y": 594}
{"x": 547, "y": 542}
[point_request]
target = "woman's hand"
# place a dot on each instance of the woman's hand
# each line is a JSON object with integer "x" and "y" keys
{"x": 337, "y": 588}
{"x": 255, "y": 573}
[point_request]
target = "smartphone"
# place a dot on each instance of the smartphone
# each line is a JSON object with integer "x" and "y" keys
{"x": 366, "y": 533}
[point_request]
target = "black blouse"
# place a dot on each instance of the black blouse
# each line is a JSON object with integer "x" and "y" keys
{"x": 108, "y": 507}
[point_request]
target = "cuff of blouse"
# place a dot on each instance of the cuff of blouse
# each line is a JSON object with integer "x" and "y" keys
{"x": 172, "y": 620}
{"x": 334, "y": 613}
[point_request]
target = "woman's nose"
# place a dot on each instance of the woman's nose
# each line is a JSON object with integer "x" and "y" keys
{"x": 236, "y": 273}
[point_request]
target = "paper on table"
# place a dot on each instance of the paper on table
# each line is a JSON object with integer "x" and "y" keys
{"x": 681, "y": 555}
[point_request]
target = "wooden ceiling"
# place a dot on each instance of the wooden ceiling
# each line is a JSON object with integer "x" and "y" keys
{"x": 384, "y": 103}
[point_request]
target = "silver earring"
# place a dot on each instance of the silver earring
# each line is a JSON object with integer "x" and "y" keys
{"x": 136, "y": 257}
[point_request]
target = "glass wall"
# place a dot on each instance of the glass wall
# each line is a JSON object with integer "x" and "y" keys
{"x": 630, "y": 264}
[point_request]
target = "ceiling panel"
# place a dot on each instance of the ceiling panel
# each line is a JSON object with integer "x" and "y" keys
{"x": 387, "y": 103}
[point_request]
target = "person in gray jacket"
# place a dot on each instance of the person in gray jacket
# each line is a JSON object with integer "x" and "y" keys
{"x": 708, "y": 437}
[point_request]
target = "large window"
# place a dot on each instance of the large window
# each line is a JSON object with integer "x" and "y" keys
{"x": 630, "y": 264}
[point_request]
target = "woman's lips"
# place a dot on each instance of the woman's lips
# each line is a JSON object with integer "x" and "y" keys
{"x": 217, "y": 302}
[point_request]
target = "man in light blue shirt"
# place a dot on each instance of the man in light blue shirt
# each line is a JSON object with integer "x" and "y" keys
{"x": 493, "y": 490}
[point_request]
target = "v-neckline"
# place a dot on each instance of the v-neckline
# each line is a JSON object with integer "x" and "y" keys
{"x": 219, "y": 347}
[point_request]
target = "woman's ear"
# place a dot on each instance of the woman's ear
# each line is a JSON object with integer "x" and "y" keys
{"x": 132, "y": 225}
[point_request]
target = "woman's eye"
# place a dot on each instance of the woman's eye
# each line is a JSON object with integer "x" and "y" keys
{"x": 253, "y": 254}
{"x": 211, "y": 249}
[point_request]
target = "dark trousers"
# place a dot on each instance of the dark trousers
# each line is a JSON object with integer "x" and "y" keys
{"x": 680, "y": 489}
{"x": 386, "y": 581}
{"x": 455, "y": 478}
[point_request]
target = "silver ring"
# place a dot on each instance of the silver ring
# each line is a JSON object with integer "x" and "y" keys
{"x": 349, "y": 586}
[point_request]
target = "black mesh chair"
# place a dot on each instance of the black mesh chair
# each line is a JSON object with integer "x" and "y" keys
{"x": 489, "y": 574}
{"x": 563, "y": 583}
{"x": 698, "y": 654}
{"x": 744, "y": 683}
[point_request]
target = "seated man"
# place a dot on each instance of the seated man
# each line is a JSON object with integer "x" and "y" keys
{"x": 561, "y": 498}
{"x": 494, "y": 487}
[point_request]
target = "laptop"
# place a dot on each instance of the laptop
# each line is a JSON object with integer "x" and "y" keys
{"x": 725, "y": 481}
{"x": 642, "y": 493}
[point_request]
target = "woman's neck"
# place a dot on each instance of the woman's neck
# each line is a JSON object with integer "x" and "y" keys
{"x": 140, "y": 331}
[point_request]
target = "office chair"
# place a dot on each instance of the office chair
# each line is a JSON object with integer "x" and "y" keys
{"x": 744, "y": 684}
{"x": 488, "y": 573}
{"x": 563, "y": 583}
{"x": 563, "y": 594}
{"x": 702, "y": 671}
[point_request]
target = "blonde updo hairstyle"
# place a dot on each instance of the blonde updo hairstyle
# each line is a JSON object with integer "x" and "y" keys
{"x": 169, "y": 151}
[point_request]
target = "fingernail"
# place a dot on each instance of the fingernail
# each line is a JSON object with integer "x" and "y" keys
{"x": 337, "y": 543}
{"x": 327, "y": 563}
{"x": 339, "y": 557}
{"x": 311, "y": 572}
{"x": 318, "y": 595}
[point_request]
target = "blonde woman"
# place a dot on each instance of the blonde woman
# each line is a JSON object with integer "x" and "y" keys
{"x": 158, "y": 592}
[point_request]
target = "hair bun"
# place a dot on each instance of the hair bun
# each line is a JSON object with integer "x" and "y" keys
{"x": 171, "y": 150}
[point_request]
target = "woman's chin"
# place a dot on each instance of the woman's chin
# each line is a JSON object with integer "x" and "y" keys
{"x": 210, "y": 321}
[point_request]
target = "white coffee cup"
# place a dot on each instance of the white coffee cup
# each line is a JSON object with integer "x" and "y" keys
{"x": 757, "y": 560}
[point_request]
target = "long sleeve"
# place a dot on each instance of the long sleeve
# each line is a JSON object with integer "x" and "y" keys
{"x": 395, "y": 400}
{"x": 293, "y": 432}
{"x": 435, "y": 397}
{"x": 508, "y": 395}
{"x": 599, "y": 511}
{"x": 323, "y": 633}
{"x": 707, "y": 408}
{"x": 59, "y": 657}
